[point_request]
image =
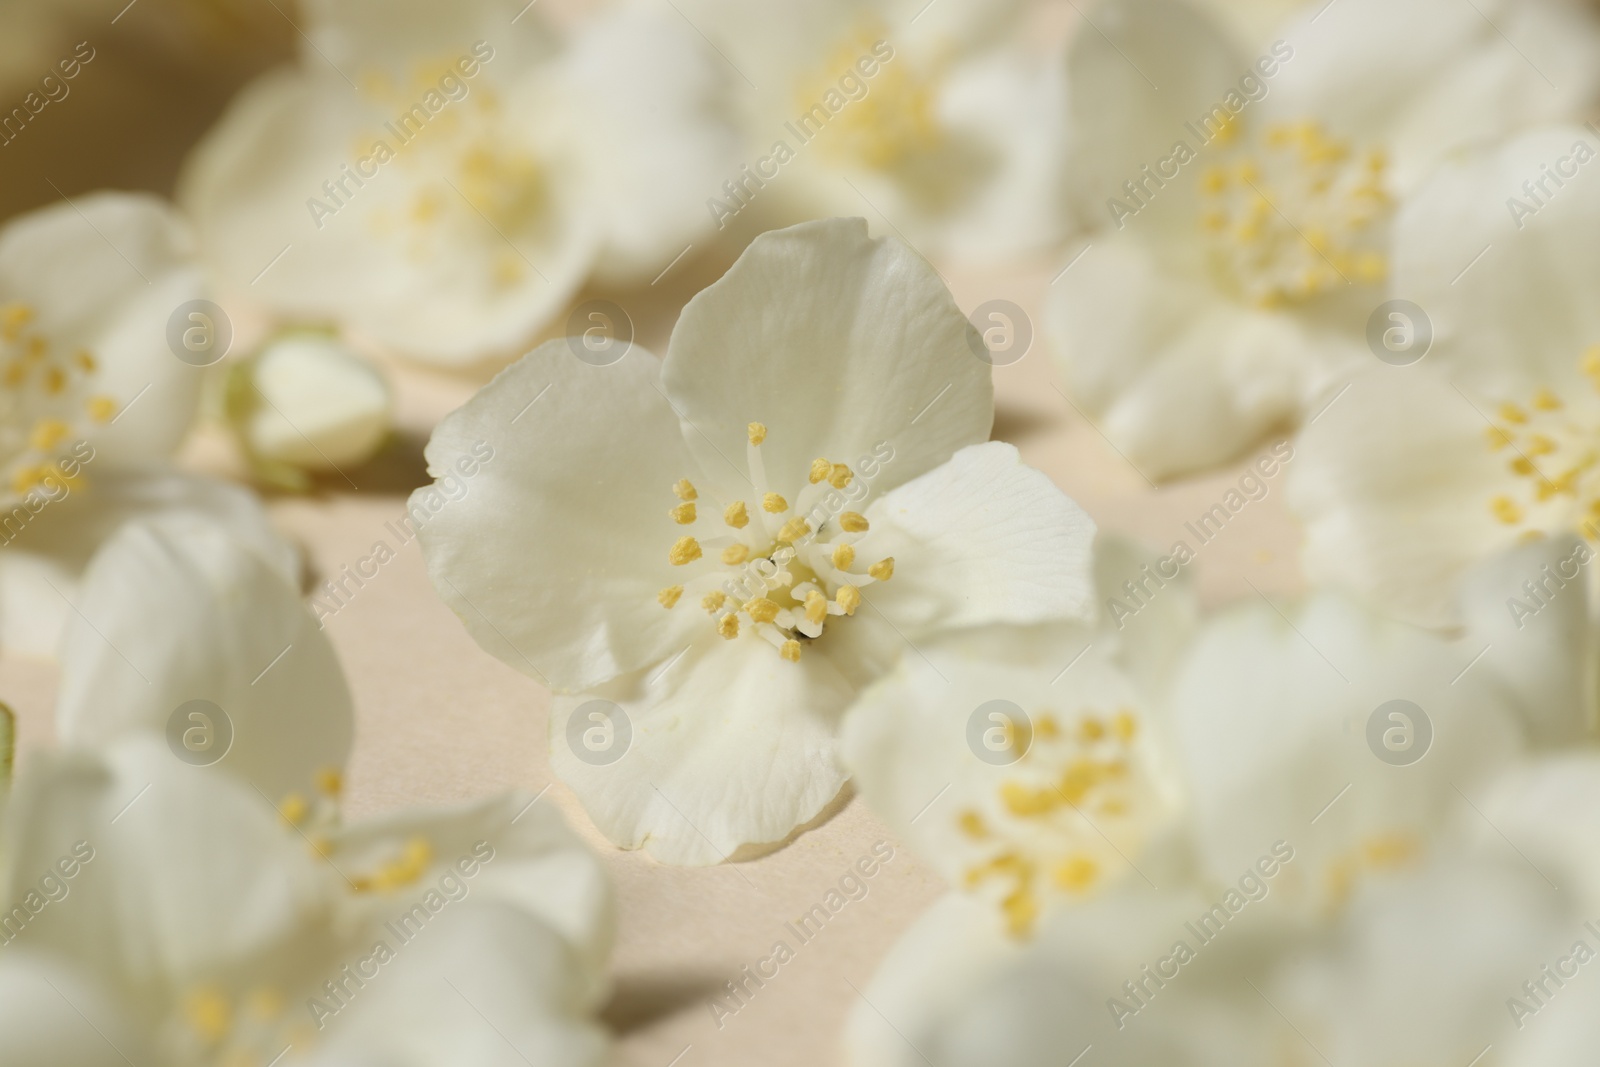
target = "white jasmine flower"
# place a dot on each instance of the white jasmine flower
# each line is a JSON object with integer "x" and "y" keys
{"x": 936, "y": 116}
{"x": 1245, "y": 208}
{"x": 306, "y": 402}
{"x": 460, "y": 175}
{"x": 729, "y": 544}
{"x": 94, "y": 398}
{"x": 158, "y": 913}
{"x": 1028, "y": 767}
{"x": 1490, "y": 439}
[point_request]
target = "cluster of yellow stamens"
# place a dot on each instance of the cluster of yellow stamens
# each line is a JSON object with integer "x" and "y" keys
{"x": 45, "y": 399}
{"x": 1557, "y": 454}
{"x": 785, "y": 570}
{"x": 1050, "y": 824}
{"x": 1382, "y": 852}
{"x": 1298, "y": 219}
{"x": 246, "y": 1029}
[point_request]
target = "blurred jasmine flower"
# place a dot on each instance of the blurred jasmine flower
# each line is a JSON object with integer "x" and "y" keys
{"x": 1028, "y": 766}
{"x": 165, "y": 914}
{"x": 94, "y": 400}
{"x": 442, "y": 179}
{"x": 306, "y": 403}
{"x": 1245, "y": 208}
{"x": 726, "y": 546}
{"x": 936, "y": 116}
{"x": 1490, "y": 440}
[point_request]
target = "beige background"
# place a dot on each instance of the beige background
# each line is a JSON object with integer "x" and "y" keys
{"x": 441, "y": 721}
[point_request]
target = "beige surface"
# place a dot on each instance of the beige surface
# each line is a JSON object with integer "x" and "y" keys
{"x": 439, "y": 720}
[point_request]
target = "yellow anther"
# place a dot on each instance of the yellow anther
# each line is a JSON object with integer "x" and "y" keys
{"x": 1513, "y": 414}
{"x": 843, "y": 556}
{"x": 685, "y": 490}
{"x": 25, "y": 478}
{"x": 1021, "y": 909}
{"x": 882, "y": 570}
{"x": 55, "y": 380}
{"x": 971, "y": 824}
{"x": 714, "y": 600}
{"x": 1078, "y": 779}
{"x": 757, "y": 432}
{"x": 47, "y": 433}
{"x": 1506, "y": 510}
{"x": 321, "y": 846}
{"x": 840, "y": 476}
{"x": 668, "y": 597}
{"x": 294, "y": 809}
{"x": 208, "y": 1014}
{"x": 772, "y": 503}
{"x": 13, "y": 319}
{"x": 1047, "y": 728}
{"x": 736, "y": 515}
{"x": 1591, "y": 361}
{"x": 820, "y": 469}
{"x": 1215, "y": 221}
{"x": 1540, "y": 445}
{"x": 816, "y": 606}
{"x": 1125, "y": 725}
{"x": 735, "y": 554}
{"x": 1545, "y": 400}
{"x": 1387, "y": 851}
{"x": 37, "y": 348}
{"x": 761, "y": 609}
{"x": 1076, "y": 874}
{"x": 849, "y": 598}
{"x": 728, "y": 626}
{"x": 684, "y": 550}
{"x": 794, "y": 529}
{"x": 1497, "y": 437}
{"x": 329, "y": 782}
{"x": 1214, "y": 180}
{"x": 101, "y": 408}
{"x": 1025, "y": 800}
{"x": 1371, "y": 268}
{"x": 85, "y": 360}
{"x": 16, "y": 373}
{"x": 790, "y": 650}
{"x": 853, "y": 522}
{"x": 683, "y": 514}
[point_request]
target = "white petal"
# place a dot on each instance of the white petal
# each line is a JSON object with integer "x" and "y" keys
{"x": 41, "y": 564}
{"x": 730, "y": 745}
{"x": 835, "y": 342}
{"x": 44, "y": 1003}
{"x": 982, "y": 539}
{"x": 309, "y": 402}
{"x": 231, "y": 631}
{"x": 547, "y": 529}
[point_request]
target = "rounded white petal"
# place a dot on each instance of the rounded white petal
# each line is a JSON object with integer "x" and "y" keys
{"x": 44, "y": 1003}
{"x": 309, "y": 402}
{"x": 729, "y": 745}
{"x": 836, "y": 342}
{"x": 547, "y": 529}
{"x": 230, "y": 631}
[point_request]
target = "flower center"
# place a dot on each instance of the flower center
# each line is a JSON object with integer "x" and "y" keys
{"x": 44, "y": 401}
{"x": 1554, "y": 451}
{"x": 784, "y": 571}
{"x": 1062, "y": 814}
{"x": 1296, "y": 219}
{"x": 879, "y": 121}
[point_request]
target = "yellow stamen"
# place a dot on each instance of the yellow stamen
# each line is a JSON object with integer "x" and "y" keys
{"x": 1512, "y": 413}
{"x": 294, "y": 809}
{"x": 1024, "y": 801}
{"x": 208, "y": 1015}
{"x": 820, "y": 469}
{"x": 790, "y": 650}
{"x": 757, "y": 432}
{"x": 971, "y": 824}
{"x": 668, "y": 597}
{"x": 55, "y": 380}
{"x": 882, "y": 570}
{"x": 761, "y": 609}
{"x": 85, "y": 360}
{"x": 772, "y": 503}
{"x": 1076, "y": 874}
{"x": 685, "y": 490}
{"x": 102, "y": 408}
{"x": 849, "y": 598}
{"x": 840, "y": 477}
{"x": 330, "y": 783}
{"x": 736, "y": 515}
{"x": 728, "y": 626}
{"x": 794, "y": 529}
{"x": 1506, "y": 510}
{"x": 1091, "y": 728}
{"x": 13, "y": 318}
{"x": 683, "y": 514}
{"x": 1125, "y": 725}
{"x": 843, "y": 556}
{"x": 714, "y": 600}
{"x": 47, "y": 433}
{"x": 684, "y": 550}
{"x": 734, "y": 555}
{"x": 816, "y": 606}
{"x": 852, "y": 522}
{"x": 1021, "y": 909}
